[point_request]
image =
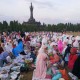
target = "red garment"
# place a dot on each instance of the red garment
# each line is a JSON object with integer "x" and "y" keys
{"x": 72, "y": 59}
{"x": 27, "y": 39}
{"x": 54, "y": 59}
{"x": 64, "y": 74}
{"x": 73, "y": 50}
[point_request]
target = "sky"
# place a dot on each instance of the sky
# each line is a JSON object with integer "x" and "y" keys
{"x": 47, "y": 11}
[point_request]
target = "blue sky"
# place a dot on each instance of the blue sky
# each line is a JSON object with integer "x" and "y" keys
{"x": 47, "y": 11}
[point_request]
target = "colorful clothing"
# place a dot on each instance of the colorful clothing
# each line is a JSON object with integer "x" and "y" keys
{"x": 41, "y": 67}
{"x": 72, "y": 59}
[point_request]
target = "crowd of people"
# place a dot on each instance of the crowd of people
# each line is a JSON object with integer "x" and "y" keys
{"x": 54, "y": 56}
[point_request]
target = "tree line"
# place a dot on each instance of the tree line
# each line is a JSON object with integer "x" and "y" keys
{"x": 16, "y": 26}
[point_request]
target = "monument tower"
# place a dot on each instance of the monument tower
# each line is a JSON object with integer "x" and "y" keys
{"x": 31, "y": 20}
{"x": 31, "y": 11}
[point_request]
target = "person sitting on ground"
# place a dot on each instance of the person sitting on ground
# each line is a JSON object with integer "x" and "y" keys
{"x": 72, "y": 58}
{"x": 19, "y": 48}
{"x": 67, "y": 53}
{"x": 76, "y": 67}
{"x": 4, "y": 57}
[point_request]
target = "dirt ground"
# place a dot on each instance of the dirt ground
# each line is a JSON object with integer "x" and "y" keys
{"x": 74, "y": 33}
{"x": 27, "y": 76}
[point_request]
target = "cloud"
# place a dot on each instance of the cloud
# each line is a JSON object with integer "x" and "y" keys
{"x": 41, "y": 3}
{"x": 48, "y": 11}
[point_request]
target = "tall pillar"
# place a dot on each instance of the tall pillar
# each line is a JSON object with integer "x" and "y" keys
{"x": 31, "y": 11}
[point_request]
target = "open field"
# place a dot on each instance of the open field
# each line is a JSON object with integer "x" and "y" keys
{"x": 74, "y": 33}
{"x": 28, "y": 75}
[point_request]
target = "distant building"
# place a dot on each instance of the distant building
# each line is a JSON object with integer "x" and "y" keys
{"x": 31, "y": 19}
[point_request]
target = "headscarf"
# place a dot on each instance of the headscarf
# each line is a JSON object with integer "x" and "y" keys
{"x": 41, "y": 50}
{"x": 74, "y": 50}
{"x": 60, "y": 46}
{"x": 76, "y": 44}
